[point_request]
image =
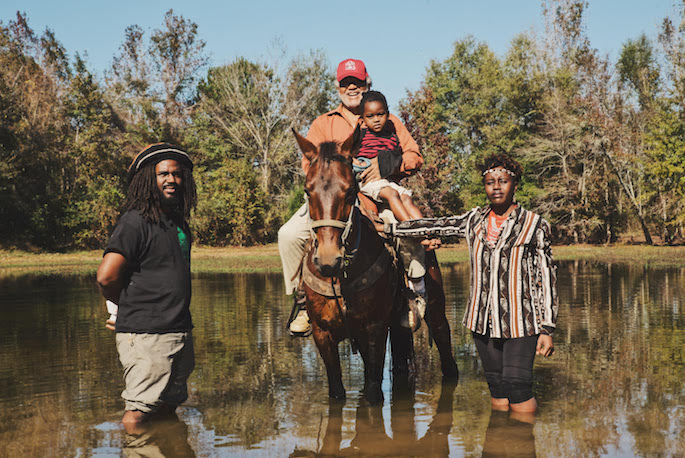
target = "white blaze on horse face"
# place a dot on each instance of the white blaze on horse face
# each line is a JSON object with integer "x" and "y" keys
{"x": 328, "y": 185}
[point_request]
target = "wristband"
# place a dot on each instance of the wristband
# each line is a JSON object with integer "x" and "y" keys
{"x": 113, "y": 309}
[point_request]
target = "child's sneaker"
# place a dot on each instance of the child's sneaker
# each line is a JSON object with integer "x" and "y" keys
{"x": 416, "y": 309}
{"x": 421, "y": 304}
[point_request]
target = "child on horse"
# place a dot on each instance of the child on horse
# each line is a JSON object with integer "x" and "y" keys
{"x": 378, "y": 136}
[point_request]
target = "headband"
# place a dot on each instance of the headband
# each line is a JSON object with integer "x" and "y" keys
{"x": 158, "y": 152}
{"x": 500, "y": 168}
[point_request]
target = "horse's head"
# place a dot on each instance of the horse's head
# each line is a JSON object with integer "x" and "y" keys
{"x": 331, "y": 189}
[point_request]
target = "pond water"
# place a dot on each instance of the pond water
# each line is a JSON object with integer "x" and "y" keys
{"x": 613, "y": 388}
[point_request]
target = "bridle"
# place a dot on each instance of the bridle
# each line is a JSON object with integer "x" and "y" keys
{"x": 349, "y": 253}
{"x": 346, "y": 225}
{"x": 349, "y": 250}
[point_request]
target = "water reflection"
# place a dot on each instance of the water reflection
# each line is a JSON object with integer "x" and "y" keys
{"x": 508, "y": 436}
{"x": 614, "y": 386}
{"x": 370, "y": 435}
{"x": 162, "y": 438}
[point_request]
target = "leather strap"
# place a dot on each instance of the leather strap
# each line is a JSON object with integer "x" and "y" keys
{"x": 372, "y": 275}
{"x": 329, "y": 223}
{"x": 319, "y": 286}
{"x": 361, "y": 282}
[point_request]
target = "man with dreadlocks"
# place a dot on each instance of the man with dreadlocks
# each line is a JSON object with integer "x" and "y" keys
{"x": 146, "y": 272}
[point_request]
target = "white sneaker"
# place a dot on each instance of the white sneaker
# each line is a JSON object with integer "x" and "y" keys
{"x": 420, "y": 302}
{"x": 300, "y": 325}
{"x": 416, "y": 308}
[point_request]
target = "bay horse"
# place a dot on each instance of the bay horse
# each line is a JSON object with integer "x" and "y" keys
{"x": 351, "y": 281}
{"x": 348, "y": 276}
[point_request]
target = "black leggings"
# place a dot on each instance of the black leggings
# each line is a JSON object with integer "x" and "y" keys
{"x": 508, "y": 365}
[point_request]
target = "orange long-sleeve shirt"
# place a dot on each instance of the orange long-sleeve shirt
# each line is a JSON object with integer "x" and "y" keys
{"x": 334, "y": 126}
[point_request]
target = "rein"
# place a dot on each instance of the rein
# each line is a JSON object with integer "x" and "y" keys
{"x": 343, "y": 315}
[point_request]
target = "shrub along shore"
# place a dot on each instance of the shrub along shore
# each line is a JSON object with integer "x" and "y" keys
{"x": 265, "y": 258}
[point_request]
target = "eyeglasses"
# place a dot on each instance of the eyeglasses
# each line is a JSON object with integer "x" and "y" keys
{"x": 352, "y": 80}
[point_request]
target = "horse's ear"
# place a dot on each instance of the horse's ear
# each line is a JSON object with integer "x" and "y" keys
{"x": 308, "y": 148}
{"x": 350, "y": 147}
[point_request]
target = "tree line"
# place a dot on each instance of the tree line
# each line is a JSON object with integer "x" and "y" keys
{"x": 601, "y": 142}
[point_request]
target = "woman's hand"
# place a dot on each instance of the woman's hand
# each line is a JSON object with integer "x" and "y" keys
{"x": 545, "y": 345}
{"x": 431, "y": 244}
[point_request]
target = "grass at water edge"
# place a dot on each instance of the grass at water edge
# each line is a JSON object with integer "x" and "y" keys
{"x": 265, "y": 258}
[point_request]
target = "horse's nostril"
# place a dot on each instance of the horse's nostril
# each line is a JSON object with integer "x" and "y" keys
{"x": 330, "y": 270}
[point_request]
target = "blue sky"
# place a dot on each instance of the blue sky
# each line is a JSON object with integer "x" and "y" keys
{"x": 396, "y": 39}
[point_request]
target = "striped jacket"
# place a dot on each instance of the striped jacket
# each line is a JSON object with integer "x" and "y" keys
{"x": 513, "y": 284}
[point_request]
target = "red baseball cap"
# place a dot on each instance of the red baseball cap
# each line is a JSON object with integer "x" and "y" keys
{"x": 352, "y": 67}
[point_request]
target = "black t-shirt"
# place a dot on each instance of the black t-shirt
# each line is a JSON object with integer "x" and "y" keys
{"x": 156, "y": 295}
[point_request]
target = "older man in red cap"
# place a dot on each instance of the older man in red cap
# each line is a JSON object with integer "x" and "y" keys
{"x": 337, "y": 125}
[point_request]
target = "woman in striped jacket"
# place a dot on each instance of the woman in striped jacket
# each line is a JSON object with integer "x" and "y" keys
{"x": 513, "y": 303}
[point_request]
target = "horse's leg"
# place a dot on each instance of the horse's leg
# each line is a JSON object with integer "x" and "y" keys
{"x": 371, "y": 339}
{"x": 401, "y": 348}
{"x": 437, "y": 320}
{"x": 401, "y": 339}
{"x": 435, "y": 442}
{"x": 328, "y": 349}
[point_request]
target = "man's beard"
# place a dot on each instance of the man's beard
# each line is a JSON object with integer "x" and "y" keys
{"x": 350, "y": 102}
{"x": 171, "y": 204}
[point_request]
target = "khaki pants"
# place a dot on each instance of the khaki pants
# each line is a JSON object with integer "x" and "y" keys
{"x": 156, "y": 368}
{"x": 292, "y": 240}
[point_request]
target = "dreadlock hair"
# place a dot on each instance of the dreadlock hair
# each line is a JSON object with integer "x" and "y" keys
{"x": 144, "y": 195}
{"x": 373, "y": 96}
{"x": 501, "y": 160}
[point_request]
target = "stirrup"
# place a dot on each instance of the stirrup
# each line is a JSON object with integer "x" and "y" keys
{"x": 299, "y": 305}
